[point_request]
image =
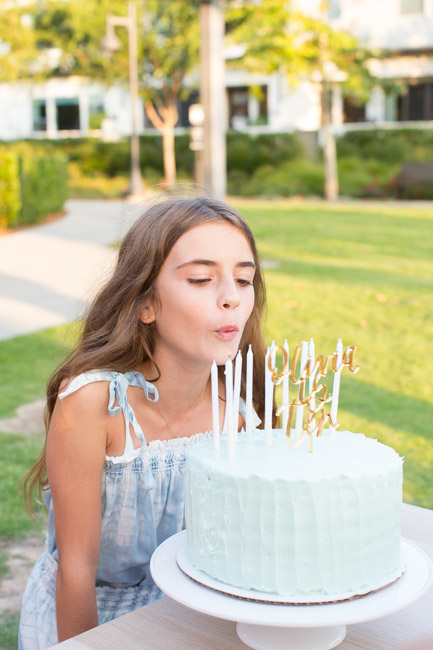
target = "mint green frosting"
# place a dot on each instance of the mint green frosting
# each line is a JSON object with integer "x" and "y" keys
{"x": 290, "y": 522}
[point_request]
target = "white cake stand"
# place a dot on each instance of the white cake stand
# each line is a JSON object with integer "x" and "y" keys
{"x": 266, "y": 626}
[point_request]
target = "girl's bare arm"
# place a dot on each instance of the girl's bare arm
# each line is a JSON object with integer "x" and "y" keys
{"x": 76, "y": 448}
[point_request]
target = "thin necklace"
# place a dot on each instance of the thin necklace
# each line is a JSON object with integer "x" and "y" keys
{"x": 170, "y": 430}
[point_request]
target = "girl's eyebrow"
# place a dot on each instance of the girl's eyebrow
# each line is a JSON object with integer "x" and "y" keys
{"x": 245, "y": 264}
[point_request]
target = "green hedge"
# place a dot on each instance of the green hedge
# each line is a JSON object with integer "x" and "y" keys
{"x": 98, "y": 158}
{"x": 43, "y": 182}
{"x": 33, "y": 184}
{"x": 247, "y": 153}
{"x": 10, "y": 202}
{"x": 269, "y": 164}
{"x": 357, "y": 178}
{"x": 244, "y": 152}
{"x": 388, "y": 145}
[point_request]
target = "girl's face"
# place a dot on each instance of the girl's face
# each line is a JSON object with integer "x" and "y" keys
{"x": 205, "y": 295}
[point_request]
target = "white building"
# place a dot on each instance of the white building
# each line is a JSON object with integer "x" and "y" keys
{"x": 72, "y": 107}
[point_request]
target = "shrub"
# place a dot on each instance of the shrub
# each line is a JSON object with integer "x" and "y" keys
{"x": 364, "y": 178}
{"x": 248, "y": 152}
{"x": 291, "y": 178}
{"x": 43, "y": 186}
{"x": 33, "y": 183}
{"x": 387, "y": 145}
{"x": 10, "y": 203}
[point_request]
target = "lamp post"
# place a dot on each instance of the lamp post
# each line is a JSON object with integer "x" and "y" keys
{"x": 112, "y": 44}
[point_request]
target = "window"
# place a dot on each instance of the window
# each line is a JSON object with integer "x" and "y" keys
{"x": 417, "y": 103}
{"x": 412, "y": 6}
{"x": 68, "y": 114}
{"x": 96, "y": 112}
{"x": 238, "y": 107}
{"x": 243, "y": 112}
{"x": 39, "y": 115}
{"x": 352, "y": 111}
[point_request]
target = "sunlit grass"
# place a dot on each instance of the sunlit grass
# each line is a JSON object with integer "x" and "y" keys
{"x": 26, "y": 362}
{"x": 360, "y": 273}
{"x": 363, "y": 274}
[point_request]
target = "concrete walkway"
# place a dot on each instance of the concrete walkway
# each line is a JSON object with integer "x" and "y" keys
{"x": 49, "y": 273}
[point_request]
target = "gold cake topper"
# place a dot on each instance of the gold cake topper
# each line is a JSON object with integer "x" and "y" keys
{"x": 316, "y": 369}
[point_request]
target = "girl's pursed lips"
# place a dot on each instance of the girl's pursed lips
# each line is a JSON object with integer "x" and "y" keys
{"x": 227, "y": 332}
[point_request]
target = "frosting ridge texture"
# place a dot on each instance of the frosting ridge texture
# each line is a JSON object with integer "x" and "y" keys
{"x": 287, "y": 521}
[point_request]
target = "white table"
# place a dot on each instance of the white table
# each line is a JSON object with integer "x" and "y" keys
{"x": 166, "y": 625}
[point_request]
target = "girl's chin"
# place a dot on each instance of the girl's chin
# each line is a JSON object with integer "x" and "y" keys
{"x": 222, "y": 357}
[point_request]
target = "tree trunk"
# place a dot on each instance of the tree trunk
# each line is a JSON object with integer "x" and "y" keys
{"x": 165, "y": 120}
{"x": 329, "y": 148}
{"x": 169, "y": 155}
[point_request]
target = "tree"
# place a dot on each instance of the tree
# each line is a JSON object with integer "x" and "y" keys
{"x": 17, "y": 41}
{"x": 52, "y": 38}
{"x": 279, "y": 39}
{"x": 73, "y": 31}
{"x": 169, "y": 55}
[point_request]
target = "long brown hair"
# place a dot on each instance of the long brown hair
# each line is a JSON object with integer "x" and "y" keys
{"x": 113, "y": 336}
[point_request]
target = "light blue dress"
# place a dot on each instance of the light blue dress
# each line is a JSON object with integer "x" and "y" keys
{"x": 142, "y": 505}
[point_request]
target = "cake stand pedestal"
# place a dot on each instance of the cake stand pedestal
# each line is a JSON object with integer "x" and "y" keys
{"x": 262, "y": 637}
{"x": 268, "y": 626}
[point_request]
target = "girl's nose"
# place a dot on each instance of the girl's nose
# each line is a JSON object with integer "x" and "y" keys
{"x": 229, "y": 295}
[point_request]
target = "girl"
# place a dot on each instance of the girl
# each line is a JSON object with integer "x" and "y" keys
{"x": 124, "y": 407}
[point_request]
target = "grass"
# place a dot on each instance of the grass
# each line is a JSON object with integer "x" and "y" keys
{"x": 27, "y": 362}
{"x": 363, "y": 273}
{"x": 83, "y": 186}
{"x": 8, "y": 630}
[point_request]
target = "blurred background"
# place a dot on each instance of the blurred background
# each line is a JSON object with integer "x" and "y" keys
{"x": 314, "y": 118}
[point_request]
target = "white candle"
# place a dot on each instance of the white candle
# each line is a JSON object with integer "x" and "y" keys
{"x": 269, "y": 397}
{"x": 336, "y": 386}
{"x": 237, "y": 393}
{"x": 312, "y": 355}
{"x": 249, "y": 393}
{"x": 215, "y": 407}
{"x": 229, "y": 407}
{"x": 286, "y": 381}
{"x": 312, "y": 401}
{"x": 300, "y": 409}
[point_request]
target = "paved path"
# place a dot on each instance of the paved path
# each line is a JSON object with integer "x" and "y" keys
{"x": 50, "y": 272}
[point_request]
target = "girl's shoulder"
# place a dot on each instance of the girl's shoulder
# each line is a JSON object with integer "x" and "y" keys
{"x": 72, "y": 384}
{"x": 101, "y": 384}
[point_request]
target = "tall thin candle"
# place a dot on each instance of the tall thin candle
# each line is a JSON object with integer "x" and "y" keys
{"x": 237, "y": 393}
{"x": 215, "y": 407}
{"x": 269, "y": 398}
{"x": 249, "y": 393}
{"x": 300, "y": 409}
{"x": 229, "y": 407}
{"x": 286, "y": 382}
{"x": 312, "y": 355}
{"x": 336, "y": 386}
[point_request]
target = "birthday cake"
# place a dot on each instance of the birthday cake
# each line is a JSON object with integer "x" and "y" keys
{"x": 282, "y": 520}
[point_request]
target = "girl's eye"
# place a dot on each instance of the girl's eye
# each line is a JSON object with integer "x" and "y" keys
{"x": 198, "y": 280}
{"x": 244, "y": 283}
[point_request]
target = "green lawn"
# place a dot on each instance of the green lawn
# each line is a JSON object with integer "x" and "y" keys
{"x": 26, "y": 363}
{"x": 362, "y": 273}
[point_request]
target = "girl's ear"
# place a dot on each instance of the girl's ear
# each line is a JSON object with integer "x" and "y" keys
{"x": 147, "y": 314}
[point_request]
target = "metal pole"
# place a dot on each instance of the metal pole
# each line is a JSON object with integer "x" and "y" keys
{"x": 135, "y": 181}
{"x": 212, "y": 95}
